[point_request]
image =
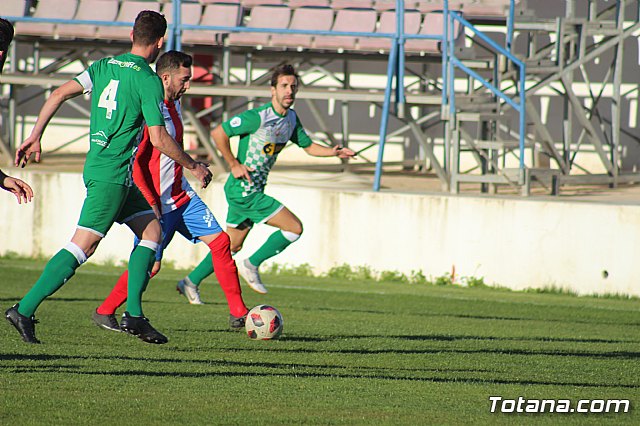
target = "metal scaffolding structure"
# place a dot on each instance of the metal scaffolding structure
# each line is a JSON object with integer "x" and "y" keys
{"x": 462, "y": 130}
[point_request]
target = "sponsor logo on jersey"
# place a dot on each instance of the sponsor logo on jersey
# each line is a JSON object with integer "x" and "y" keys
{"x": 121, "y": 64}
{"x": 273, "y": 148}
{"x": 235, "y": 122}
{"x": 100, "y": 138}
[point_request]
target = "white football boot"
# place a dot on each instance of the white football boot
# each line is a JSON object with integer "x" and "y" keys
{"x": 250, "y": 274}
{"x": 189, "y": 290}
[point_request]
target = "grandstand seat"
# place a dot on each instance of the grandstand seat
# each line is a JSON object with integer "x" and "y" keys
{"x": 387, "y": 24}
{"x": 343, "y": 4}
{"x": 129, "y": 9}
{"x": 294, "y": 4}
{"x": 53, "y": 9}
{"x": 433, "y": 24}
{"x": 305, "y": 18}
{"x": 190, "y": 13}
{"x": 215, "y": 14}
{"x": 253, "y": 3}
{"x": 104, "y": 10}
{"x": 354, "y": 20}
{"x": 14, "y": 8}
{"x": 495, "y": 8}
{"x": 382, "y": 5}
{"x": 269, "y": 16}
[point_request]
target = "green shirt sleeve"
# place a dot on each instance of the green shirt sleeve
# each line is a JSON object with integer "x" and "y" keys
{"x": 299, "y": 136}
{"x": 242, "y": 124}
{"x": 152, "y": 96}
{"x": 85, "y": 78}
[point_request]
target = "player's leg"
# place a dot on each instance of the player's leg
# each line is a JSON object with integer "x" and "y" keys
{"x": 138, "y": 216}
{"x": 104, "y": 315}
{"x": 101, "y": 206}
{"x": 237, "y": 236}
{"x": 199, "y": 223}
{"x": 290, "y": 229}
{"x": 238, "y": 227}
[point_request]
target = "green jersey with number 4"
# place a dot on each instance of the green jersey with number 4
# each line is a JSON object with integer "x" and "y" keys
{"x": 263, "y": 134}
{"x": 126, "y": 94}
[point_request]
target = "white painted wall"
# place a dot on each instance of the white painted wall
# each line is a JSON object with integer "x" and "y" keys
{"x": 512, "y": 242}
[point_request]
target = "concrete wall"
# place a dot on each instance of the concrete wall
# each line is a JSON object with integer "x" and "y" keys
{"x": 512, "y": 242}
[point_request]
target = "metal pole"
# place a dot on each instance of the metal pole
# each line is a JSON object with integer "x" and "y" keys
{"x": 509, "y": 39}
{"x": 177, "y": 22}
{"x": 445, "y": 58}
{"x": 615, "y": 104}
{"x": 391, "y": 66}
{"x": 400, "y": 100}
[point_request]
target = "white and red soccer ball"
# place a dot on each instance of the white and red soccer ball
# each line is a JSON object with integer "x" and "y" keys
{"x": 263, "y": 322}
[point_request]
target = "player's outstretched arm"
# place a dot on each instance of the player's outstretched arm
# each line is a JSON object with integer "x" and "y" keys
{"x": 238, "y": 170}
{"x": 17, "y": 187}
{"x": 317, "y": 150}
{"x": 163, "y": 141}
{"x": 31, "y": 145}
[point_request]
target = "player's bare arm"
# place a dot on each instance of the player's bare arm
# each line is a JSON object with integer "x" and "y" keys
{"x": 317, "y": 150}
{"x": 17, "y": 187}
{"x": 31, "y": 145}
{"x": 238, "y": 170}
{"x": 161, "y": 140}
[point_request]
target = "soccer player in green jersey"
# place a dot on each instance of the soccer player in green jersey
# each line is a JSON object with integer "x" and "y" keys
{"x": 20, "y": 189}
{"x": 127, "y": 93}
{"x": 264, "y": 132}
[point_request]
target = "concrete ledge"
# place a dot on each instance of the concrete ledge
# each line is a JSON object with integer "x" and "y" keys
{"x": 514, "y": 242}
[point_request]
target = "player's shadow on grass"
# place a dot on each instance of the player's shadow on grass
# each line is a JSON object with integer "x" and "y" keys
{"x": 458, "y": 379}
{"x": 422, "y": 314}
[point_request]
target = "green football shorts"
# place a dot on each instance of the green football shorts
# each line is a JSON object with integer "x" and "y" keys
{"x": 107, "y": 203}
{"x": 255, "y": 208}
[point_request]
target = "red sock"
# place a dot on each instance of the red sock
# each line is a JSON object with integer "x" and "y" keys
{"x": 118, "y": 295}
{"x": 227, "y": 274}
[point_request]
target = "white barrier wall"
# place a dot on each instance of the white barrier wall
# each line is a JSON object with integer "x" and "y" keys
{"x": 512, "y": 242}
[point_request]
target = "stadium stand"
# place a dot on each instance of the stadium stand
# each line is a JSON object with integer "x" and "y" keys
{"x": 88, "y": 10}
{"x": 215, "y": 14}
{"x": 433, "y": 24}
{"x": 343, "y": 4}
{"x": 129, "y": 9}
{"x": 354, "y": 20}
{"x": 294, "y": 4}
{"x": 269, "y": 16}
{"x": 14, "y": 7}
{"x": 56, "y": 9}
{"x": 387, "y": 24}
{"x": 305, "y": 18}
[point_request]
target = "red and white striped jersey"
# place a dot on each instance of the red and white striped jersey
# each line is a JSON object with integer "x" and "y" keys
{"x": 159, "y": 178}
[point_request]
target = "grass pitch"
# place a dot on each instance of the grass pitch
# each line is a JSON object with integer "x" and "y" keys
{"x": 351, "y": 353}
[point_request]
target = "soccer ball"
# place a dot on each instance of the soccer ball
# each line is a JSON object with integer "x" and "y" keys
{"x": 263, "y": 322}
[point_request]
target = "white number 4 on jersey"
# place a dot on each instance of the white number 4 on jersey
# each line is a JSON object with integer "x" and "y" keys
{"x": 108, "y": 97}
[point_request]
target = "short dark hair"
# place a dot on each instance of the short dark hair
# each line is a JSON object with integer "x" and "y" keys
{"x": 149, "y": 27}
{"x": 284, "y": 69}
{"x": 6, "y": 34}
{"x": 173, "y": 60}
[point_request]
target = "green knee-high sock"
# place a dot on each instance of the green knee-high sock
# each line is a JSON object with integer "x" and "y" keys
{"x": 274, "y": 245}
{"x": 59, "y": 269}
{"x": 202, "y": 271}
{"x": 140, "y": 264}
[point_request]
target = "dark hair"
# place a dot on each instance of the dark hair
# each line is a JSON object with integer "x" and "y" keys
{"x": 148, "y": 28}
{"x": 284, "y": 69}
{"x": 6, "y": 34}
{"x": 173, "y": 60}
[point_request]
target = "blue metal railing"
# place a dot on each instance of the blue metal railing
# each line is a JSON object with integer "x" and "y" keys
{"x": 519, "y": 105}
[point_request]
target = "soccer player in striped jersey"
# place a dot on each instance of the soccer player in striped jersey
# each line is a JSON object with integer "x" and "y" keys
{"x": 164, "y": 186}
{"x": 264, "y": 132}
{"x": 17, "y": 187}
{"x": 126, "y": 93}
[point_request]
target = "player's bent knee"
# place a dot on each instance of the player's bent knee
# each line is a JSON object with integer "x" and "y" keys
{"x": 291, "y": 236}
